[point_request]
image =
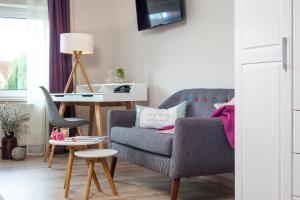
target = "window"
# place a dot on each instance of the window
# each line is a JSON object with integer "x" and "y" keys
{"x": 13, "y": 37}
{"x": 13, "y": 47}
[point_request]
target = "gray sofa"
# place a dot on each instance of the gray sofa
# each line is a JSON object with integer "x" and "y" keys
{"x": 199, "y": 146}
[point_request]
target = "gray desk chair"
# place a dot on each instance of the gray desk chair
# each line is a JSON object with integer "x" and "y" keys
{"x": 56, "y": 120}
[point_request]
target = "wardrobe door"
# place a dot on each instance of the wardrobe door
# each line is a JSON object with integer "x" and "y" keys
{"x": 296, "y": 52}
{"x": 296, "y": 102}
{"x": 264, "y": 101}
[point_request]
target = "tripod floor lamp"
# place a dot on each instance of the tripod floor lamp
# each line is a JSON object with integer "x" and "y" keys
{"x": 77, "y": 44}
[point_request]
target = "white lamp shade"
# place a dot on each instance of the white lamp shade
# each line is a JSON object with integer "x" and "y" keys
{"x": 70, "y": 42}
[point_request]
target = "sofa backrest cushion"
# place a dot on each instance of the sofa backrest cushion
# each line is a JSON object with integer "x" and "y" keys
{"x": 200, "y": 102}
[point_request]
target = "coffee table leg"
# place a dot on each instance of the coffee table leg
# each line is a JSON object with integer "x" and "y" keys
{"x": 94, "y": 177}
{"x": 69, "y": 172}
{"x": 89, "y": 178}
{"x": 108, "y": 176}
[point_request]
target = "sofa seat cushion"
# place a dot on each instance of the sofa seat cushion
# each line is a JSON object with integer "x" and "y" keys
{"x": 145, "y": 139}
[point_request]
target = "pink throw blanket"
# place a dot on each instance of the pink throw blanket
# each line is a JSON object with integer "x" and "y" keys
{"x": 226, "y": 113}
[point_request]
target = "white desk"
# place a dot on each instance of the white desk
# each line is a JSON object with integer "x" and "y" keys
{"x": 103, "y": 96}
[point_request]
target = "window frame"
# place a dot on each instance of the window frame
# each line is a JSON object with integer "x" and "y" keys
{"x": 17, "y": 11}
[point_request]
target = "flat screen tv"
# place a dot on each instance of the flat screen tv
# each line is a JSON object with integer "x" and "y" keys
{"x": 153, "y": 13}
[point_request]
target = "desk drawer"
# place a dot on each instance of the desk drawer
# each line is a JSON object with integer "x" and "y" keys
{"x": 296, "y": 132}
{"x": 296, "y": 175}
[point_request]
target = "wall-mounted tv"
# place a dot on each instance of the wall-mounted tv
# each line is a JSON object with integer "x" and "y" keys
{"x": 153, "y": 13}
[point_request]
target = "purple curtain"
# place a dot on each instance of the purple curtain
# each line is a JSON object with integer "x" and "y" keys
{"x": 60, "y": 64}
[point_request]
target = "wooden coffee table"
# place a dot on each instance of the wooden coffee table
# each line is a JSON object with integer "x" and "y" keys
{"x": 72, "y": 147}
{"x": 91, "y": 156}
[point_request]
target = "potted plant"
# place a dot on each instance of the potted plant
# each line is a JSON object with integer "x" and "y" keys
{"x": 121, "y": 75}
{"x": 11, "y": 121}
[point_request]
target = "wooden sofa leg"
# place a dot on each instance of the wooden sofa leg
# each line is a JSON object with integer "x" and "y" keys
{"x": 175, "y": 188}
{"x": 113, "y": 166}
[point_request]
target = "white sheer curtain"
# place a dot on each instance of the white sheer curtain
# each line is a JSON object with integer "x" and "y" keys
{"x": 37, "y": 73}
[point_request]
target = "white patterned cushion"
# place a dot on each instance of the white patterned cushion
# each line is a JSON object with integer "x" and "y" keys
{"x": 147, "y": 117}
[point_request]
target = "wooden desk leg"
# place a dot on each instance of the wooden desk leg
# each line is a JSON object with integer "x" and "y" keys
{"x": 99, "y": 122}
{"x": 94, "y": 178}
{"x": 108, "y": 176}
{"x": 91, "y": 119}
{"x": 89, "y": 178}
{"x": 129, "y": 105}
{"x": 69, "y": 172}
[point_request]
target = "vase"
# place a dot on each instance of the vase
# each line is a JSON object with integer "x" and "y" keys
{"x": 8, "y": 142}
{"x": 120, "y": 79}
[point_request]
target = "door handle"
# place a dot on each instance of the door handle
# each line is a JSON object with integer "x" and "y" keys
{"x": 284, "y": 53}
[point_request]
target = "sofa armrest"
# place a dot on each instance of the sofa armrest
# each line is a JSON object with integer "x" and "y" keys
{"x": 200, "y": 147}
{"x": 120, "y": 118}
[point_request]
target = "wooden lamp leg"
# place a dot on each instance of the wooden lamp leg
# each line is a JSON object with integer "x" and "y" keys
{"x": 85, "y": 77}
{"x": 71, "y": 77}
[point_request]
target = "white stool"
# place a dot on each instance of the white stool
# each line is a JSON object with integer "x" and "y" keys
{"x": 91, "y": 156}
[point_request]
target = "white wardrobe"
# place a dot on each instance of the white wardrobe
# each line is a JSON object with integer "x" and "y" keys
{"x": 296, "y": 99}
{"x": 264, "y": 92}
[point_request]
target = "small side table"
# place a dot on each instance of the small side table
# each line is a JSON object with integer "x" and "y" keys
{"x": 72, "y": 147}
{"x": 92, "y": 156}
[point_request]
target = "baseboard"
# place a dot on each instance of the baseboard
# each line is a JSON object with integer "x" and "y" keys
{"x": 35, "y": 149}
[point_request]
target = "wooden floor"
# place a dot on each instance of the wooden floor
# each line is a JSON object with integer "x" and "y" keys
{"x": 32, "y": 180}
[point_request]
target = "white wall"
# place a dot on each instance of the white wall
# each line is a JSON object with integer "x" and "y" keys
{"x": 196, "y": 53}
{"x": 93, "y": 16}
